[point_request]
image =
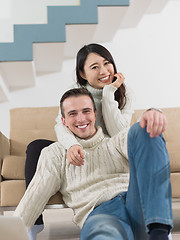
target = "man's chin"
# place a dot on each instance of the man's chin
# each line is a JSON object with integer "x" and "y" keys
{"x": 85, "y": 137}
{"x": 82, "y": 135}
{"x": 86, "y": 134}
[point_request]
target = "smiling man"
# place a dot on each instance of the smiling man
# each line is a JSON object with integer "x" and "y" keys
{"x": 79, "y": 115}
{"x": 106, "y": 204}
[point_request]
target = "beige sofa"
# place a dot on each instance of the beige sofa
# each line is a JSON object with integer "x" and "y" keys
{"x": 28, "y": 124}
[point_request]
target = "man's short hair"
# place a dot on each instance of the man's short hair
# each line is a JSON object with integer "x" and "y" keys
{"x": 76, "y": 92}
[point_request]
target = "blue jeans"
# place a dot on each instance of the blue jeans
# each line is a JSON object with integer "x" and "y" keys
{"x": 148, "y": 199}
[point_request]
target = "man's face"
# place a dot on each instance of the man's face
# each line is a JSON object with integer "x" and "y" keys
{"x": 79, "y": 116}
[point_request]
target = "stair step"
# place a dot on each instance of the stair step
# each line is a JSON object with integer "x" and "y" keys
{"x": 4, "y": 93}
{"x": 113, "y": 3}
{"x": 134, "y": 13}
{"x": 48, "y": 57}
{"x": 156, "y": 6}
{"x": 54, "y": 30}
{"x": 18, "y": 75}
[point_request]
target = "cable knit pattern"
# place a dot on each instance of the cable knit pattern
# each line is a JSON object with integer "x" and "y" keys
{"x": 102, "y": 177}
{"x": 115, "y": 119}
{"x": 111, "y": 121}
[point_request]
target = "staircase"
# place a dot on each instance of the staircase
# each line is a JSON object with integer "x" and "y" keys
{"x": 41, "y": 48}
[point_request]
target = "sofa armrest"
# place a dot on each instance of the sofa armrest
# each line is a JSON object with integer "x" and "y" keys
{"x": 4, "y": 149}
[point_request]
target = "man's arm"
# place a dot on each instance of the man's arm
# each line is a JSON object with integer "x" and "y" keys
{"x": 45, "y": 183}
{"x": 155, "y": 121}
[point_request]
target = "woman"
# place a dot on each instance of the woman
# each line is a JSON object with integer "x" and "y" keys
{"x": 96, "y": 71}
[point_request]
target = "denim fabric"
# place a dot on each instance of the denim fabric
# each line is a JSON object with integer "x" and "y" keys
{"x": 148, "y": 199}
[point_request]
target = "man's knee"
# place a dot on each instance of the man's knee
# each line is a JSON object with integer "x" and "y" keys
{"x": 142, "y": 148}
{"x": 137, "y": 130}
{"x": 140, "y": 135}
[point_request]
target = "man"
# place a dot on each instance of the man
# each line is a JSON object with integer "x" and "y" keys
{"x": 105, "y": 204}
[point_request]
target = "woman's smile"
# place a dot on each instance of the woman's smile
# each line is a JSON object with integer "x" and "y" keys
{"x": 105, "y": 79}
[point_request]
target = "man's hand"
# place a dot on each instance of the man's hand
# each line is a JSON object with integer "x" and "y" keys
{"x": 75, "y": 155}
{"x": 155, "y": 121}
{"x": 119, "y": 81}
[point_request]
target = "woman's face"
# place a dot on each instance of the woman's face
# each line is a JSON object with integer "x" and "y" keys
{"x": 98, "y": 71}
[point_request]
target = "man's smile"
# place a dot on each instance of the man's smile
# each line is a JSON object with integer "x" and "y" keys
{"x": 82, "y": 126}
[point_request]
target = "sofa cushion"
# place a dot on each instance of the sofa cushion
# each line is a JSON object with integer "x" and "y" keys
{"x": 28, "y": 124}
{"x": 175, "y": 161}
{"x": 11, "y": 192}
{"x": 13, "y": 167}
{"x": 175, "y": 180}
{"x": 56, "y": 199}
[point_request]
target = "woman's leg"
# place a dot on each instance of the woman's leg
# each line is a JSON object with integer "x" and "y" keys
{"x": 149, "y": 195}
{"x": 32, "y": 155}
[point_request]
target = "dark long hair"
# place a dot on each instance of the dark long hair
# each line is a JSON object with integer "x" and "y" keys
{"x": 120, "y": 94}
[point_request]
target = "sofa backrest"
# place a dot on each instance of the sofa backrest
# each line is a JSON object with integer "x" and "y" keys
{"x": 28, "y": 124}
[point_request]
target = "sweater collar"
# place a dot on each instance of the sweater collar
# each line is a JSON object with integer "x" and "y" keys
{"x": 94, "y": 91}
{"x": 97, "y": 138}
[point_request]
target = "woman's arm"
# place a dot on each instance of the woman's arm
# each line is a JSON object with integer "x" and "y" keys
{"x": 114, "y": 118}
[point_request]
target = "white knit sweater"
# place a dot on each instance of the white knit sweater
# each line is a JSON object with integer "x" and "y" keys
{"x": 109, "y": 117}
{"x": 102, "y": 177}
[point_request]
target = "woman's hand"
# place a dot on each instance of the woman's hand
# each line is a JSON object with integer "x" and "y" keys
{"x": 119, "y": 81}
{"x": 75, "y": 155}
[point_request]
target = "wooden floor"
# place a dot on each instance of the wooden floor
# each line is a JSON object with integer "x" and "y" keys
{"x": 58, "y": 225}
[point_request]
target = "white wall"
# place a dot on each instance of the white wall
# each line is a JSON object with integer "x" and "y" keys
{"x": 148, "y": 55}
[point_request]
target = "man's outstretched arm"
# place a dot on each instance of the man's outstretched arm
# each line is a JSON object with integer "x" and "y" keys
{"x": 45, "y": 183}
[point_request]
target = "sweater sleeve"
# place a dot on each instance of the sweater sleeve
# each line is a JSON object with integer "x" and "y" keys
{"x": 120, "y": 140}
{"x": 45, "y": 183}
{"x": 114, "y": 118}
